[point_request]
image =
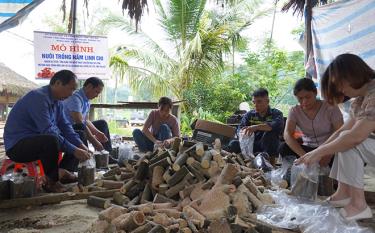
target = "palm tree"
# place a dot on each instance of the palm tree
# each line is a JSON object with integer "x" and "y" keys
{"x": 199, "y": 39}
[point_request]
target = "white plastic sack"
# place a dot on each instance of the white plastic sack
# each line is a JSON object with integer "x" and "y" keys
{"x": 247, "y": 144}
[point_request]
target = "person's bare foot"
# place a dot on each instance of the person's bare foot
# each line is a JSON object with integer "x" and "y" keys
{"x": 66, "y": 177}
{"x": 54, "y": 187}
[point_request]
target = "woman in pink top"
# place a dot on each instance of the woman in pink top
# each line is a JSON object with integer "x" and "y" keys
{"x": 315, "y": 118}
{"x": 160, "y": 127}
{"x": 354, "y": 142}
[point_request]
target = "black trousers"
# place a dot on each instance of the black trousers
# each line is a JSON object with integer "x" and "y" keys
{"x": 41, "y": 147}
{"x": 69, "y": 161}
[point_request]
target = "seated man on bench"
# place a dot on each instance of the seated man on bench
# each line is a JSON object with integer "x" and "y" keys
{"x": 77, "y": 108}
{"x": 37, "y": 129}
{"x": 265, "y": 122}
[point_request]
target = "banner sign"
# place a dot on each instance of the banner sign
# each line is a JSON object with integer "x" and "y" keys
{"x": 86, "y": 56}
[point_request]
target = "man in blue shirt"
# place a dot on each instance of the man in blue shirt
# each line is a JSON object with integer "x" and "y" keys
{"x": 37, "y": 129}
{"x": 77, "y": 108}
{"x": 266, "y": 123}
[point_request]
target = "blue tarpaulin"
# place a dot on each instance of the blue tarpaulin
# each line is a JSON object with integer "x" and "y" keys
{"x": 12, "y": 12}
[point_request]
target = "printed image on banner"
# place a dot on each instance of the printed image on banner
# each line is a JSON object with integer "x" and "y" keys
{"x": 86, "y": 56}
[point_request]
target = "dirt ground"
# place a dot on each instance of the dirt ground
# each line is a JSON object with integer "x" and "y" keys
{"x": 70, "y": 216}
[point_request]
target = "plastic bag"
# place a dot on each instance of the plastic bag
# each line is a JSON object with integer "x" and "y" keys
{"x": 261, "y": 162}
{"x": 125, "y": 153}
{"x": 246, "y": 144}
{"x": 325, "y": 182}
{"x": 304, "y": 181}
{"x": 279, "y": 175}
{"x": 292, "y": 213}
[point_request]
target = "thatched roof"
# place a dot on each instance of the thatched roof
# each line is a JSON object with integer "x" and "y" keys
{"x": 14, "y": 83}
{"x": 298, "y": 5}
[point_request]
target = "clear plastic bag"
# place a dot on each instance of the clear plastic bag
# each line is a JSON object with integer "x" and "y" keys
{"x": 304, "y": 180}
{"x": 261, "y": 162}
{"x": 246, "y": 144}
{"x": 125, "y": 153}
{"x": 279, "y": 175}
{"x": 292, "y": 213}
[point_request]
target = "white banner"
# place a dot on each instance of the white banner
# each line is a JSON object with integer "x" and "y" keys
{"x": 86, "y": 56}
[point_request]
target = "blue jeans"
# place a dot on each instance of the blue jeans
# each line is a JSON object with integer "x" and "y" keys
{"x": 144, "y": 144}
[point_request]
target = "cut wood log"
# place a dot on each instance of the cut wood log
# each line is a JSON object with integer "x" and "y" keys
{"x": 237, "y": 181}
{"x": 143, "y": 229}
{"x": 135, "y": 190}
{"x": 172, "y": 213}
{"x": 186, "y": 191}
{"x": 174, "y": 190}
{"x": 227, "y": 174}
{"x": 110, "y": 178}
{"x": 176, "y": 144}
{"x": 193, "y": 214}
{"x": 157, "y": 177}
{"x": 110, "y": 184}
{"x": 158, "y": 229}
{"x": 132, "y": 221}
{"x": 146, "y": 194}
{"x": 164, "y": 163}
{"x": 178, "y": 176}
{"x": 191, "y": 225}
{"x": 217, "y": 144}
{"x": 124, "y": 176}
{"x": 219, "y": 226}
{"x": 162, "y": 219}
{"x": 98, "y": 202}
{"x": 163, "y": 188}
{"x": 112, "y": 172}
{"x": 180, "y": 161}
{"x": 159, "y": 157}
{"x": 141, "y": 171}
{"x": 186, "y": 230}
{"x": 111, "y": 213}
{"x": 163, "y": 199}
{"x": 120, "y": 199}
{"x": 53, "y": 198}
{"x": 126, "y": 187}
{"x": 146, "y": 208}
{"x": 135, "y": 200}
{"x": 206, "y": 159}
{"x": 197, "y": 174}
{"x": 214, "y": 169}
{"x": 199, "y": 149}
{"x": 167, "y": 175}
{"x": 195, "y": 164}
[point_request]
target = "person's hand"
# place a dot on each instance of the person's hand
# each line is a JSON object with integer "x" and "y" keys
{"x": 309, "y": 158}
{"x": 159, "y": 143}
{"x": 101, "y": 137}
{"x": 98, "y": 146}
{"x": 324, "y": 162}
{"x": 248, "y": 130}
{"x": 81, "y": 155}
{"x": 167, "y": 143}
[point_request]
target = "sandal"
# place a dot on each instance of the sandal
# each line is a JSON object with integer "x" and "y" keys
{"x": 54, "y": 187}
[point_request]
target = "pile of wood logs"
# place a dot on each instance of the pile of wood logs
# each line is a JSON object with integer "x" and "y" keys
{"x": 190, "y": 188}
